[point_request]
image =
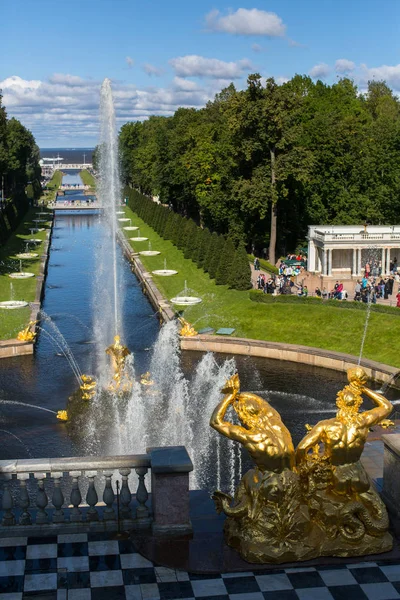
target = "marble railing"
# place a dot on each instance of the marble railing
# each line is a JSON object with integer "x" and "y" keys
{"x": 96, "y": 493}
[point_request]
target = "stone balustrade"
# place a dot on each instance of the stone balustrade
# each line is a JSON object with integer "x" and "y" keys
{"x": 95, "y": 494}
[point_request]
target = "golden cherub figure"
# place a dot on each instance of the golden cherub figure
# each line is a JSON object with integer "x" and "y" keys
{"x": 27, "y": 335}
{"x": 187, "y": 330}
{"x": 62, "y": 415}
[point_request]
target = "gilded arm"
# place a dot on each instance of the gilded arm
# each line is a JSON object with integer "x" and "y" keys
{"x": 383, "y": 409}
{"x": 234, "y": 432}
{"x": 308, "y": 441}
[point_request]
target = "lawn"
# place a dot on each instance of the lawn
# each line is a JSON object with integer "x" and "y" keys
{"x": 51, "y": 188}
{"x": 319, "y": 326}
{"x": 87, "y": 178}
{"x": 12, "y": 321}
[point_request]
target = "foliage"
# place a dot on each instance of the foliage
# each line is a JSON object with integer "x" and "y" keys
{"x": 264, "y": 264}
{"x": 240, "y": 273}
{"x": 267, "y": 161}
{"x": 227, "y": 258}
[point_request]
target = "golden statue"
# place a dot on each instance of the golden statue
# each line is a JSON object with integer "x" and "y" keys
{"x": 145, "y": 379}
{"x": 26, "y": 335}
{"x": 119, "y": 353}
{"x": 62, "y": 415}
{"x": 187, "y": 330}
{"x": 88, "y": 387}
{"x": 315, "y": 502}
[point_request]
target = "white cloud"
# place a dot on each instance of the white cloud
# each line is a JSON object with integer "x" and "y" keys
{"x": 389, "y": 74}
{"x": 342, "y": 65}
{"x": 64, "y": 109}
{"x": 152, "y": 70}
{"x": 129, "y": 61}
{"x": 247, "y": 22}
{"x": 320, "y": 71}
{"x": 256, "y": 48}
{"x": 199, "y": 66}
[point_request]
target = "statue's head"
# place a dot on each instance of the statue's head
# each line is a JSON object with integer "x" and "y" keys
{"x": 117, "y": 340}
{"x": 348, "y": 401}
{"x": 249, "y": 410}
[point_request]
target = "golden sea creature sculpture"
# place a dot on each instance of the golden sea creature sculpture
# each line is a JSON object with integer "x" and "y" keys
{"x": 88, "y": 387}
{"x": 62, "y": 415}
{"x": 187, "y": 330}
{"x": 145, "y": 379}
{"x": 119, "y": 353}
{"x": 317, "y": 501}
{"x": 26, "y": 335}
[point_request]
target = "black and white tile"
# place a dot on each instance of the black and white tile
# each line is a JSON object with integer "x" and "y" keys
{"x": 95, "y": 567}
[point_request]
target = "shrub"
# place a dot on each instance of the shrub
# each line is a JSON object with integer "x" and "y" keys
{"x": 240, "y": 275}
{"x": 227, "y": 259}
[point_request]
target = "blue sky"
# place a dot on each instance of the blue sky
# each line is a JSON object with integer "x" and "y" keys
{"x": 161, "y": 55}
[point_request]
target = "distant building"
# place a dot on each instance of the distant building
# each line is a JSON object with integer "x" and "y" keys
{"x": 342, "y": 251}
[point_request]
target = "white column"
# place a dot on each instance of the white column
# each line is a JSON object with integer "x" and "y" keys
{"x": 383, "y": 261}
{"x": 353, "y": 270}
{"x": 323, "y": 261}
{"x": 359, "y": 261}
{"x": 388, "y": 261}
{"x": 330, "y": 262}
{"x": 319, "y": 261}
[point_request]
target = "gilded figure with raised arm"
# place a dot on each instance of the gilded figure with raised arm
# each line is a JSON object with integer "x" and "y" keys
{"x": 339, "y": 490}
{"x": 267, "y": 521}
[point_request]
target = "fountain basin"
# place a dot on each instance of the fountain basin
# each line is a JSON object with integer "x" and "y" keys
{"x": 27, "y": 255}
{"x": 34, "y": 241}
{"x": 39, "y": 221}
{"x": 186, "y": 300}
{"x": 138, "y": 239}
{"x": 149, "y": 252}
{"x": 13, "y": 304}
{"x": 21, "y": 275}
{"x": 165, "y": 272}
{"x": 120, "y": 212}
{"x": 131, "y": 228}
{"x": 125, "y": 219}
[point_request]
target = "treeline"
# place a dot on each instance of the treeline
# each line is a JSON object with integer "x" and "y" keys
{"x": 212, "y": 252}
{"x": 20, "y": 172}
{"x": 261, "y": 164}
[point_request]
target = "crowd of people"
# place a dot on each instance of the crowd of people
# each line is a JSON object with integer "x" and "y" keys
{"x": 368, "y": 289}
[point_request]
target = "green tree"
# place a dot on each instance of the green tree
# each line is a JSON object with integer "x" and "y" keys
{"x": 240, "y": 272}
{"x": 223, "y": 273}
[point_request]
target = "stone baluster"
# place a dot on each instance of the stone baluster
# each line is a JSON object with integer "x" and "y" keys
{"x": 41, "y": 499}
{"x": 7, "y": 504}
{"x": 92, "y": 498}
{"x": 142, "y": 512}
{"x": 58, "y": 499}
{"x": 108, "y": 497}
{"x": 23, "y": 501}
{"x": 125, "y": 495}
{"x": 75, "y": 498}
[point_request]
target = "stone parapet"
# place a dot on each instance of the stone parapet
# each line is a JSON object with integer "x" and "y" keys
{"x": 317, "y": 357}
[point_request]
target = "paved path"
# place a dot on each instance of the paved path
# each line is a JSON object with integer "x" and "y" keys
{"x": 100, "y": 567}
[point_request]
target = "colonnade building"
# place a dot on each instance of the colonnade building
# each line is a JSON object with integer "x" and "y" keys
{"x": 342, "y": 251}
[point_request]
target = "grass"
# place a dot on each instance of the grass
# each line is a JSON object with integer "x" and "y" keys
{"x": 87, "y": 178}
{"x": 308, "y": 325}
{"x": 51, "y": 188}
{"x": 12, "y": 321}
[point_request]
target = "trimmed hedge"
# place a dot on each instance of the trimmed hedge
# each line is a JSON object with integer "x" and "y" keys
{"x": 265, "y": 265}
{"x": 213, "y": 253}
{"x": 259, "y": 296}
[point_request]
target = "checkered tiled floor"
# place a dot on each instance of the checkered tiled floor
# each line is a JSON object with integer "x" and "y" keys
{"x": 95, "y": 567}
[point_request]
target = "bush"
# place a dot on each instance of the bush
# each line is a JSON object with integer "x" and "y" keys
{"x": 204, "y": 245}
{"x": 227, "y": 259}
{"x": 217, "y": 249}
{"x": 259, "y": 296}
{"x": 240, "y": 275}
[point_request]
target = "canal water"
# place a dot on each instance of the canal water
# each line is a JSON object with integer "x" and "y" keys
{"x": 302, "y": 394}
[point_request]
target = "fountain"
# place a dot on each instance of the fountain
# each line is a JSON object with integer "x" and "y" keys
{"x": 165, "y": 272}
{"x": 27, "y": 335}
{"x": 21, "y": 275}
{"x": 149, "y": 252}
{"x": 138, "y": 237}
{"x": 13, "y": 304}
{"x": 183, "y": 299}
{"x": 27, "y": 255}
